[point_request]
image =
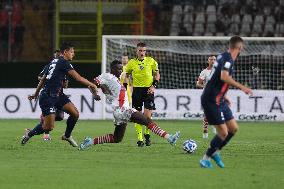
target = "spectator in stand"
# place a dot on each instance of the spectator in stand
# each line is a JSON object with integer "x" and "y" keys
{"x": 4, "y": 33}
{"x": 220, "y": 25}
{"x": 183, "y": 31}
{"x": 18, "y": 29}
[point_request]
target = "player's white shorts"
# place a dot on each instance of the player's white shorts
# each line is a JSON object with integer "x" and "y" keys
{"x": 122, "y": 114}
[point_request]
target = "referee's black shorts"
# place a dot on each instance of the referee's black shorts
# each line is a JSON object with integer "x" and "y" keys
{"x": 140, "y": 97}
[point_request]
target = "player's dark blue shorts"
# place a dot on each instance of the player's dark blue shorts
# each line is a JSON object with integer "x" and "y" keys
{"x": 49, "y": 103}
{"x": 216, "y": 114}
{"x": 62, "y": 100}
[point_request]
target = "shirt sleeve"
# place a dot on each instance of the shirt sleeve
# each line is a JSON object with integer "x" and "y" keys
{"x": 66, "y": 66}
{"x": 44, "y": 71}
{"x": 128, "y": 67}
{"x": 155, "y": 67}
{"x": 101, "y": 79}
{"x": 227, "y": 66}
{"x": 202, "y": 75}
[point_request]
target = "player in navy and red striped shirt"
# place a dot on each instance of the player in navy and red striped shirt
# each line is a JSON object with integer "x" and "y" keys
{"x": 214, "y": 104}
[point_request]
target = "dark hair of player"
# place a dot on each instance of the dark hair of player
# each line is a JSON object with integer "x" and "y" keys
{"x": 234, "y": 41}
{"x": 114, "y": 63}
{"x": 65, "y": 46}
{"x": 141, "y": 44}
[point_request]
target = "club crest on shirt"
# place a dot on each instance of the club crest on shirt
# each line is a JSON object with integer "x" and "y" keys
{"x": 141, "y": 67}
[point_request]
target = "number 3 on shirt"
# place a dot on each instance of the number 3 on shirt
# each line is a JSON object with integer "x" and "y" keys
{"x": 50, "y": 71}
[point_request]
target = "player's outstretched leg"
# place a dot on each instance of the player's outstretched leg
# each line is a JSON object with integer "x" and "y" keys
{"x": 88, "y": 141}
{"x": 213, "y": 150}
{"x": 138, "y": 117}
{"x": 116, "y": 137}
{"x": 38, "y": 130}
{"x": 70, "y": 123}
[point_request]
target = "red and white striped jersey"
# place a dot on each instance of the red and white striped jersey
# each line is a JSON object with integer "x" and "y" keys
{"x": 204, "y": 75}
{"x": 118, "y": 95}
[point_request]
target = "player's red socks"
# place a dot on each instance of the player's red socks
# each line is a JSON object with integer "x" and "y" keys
{"x": 104, "y": 139}
{"x": 157, "y": 130}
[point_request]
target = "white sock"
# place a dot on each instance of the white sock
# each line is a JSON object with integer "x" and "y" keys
{"x": 216, "y": 152}
{"x": 167, "y": 136}
{"x": 205, "y": 157}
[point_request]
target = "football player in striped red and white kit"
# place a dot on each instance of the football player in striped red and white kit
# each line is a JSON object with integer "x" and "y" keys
{"x": 116, "y": 95}
{"x": 201, "y": 82}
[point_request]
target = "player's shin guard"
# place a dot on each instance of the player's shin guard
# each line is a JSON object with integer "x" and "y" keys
{"x": 138, "y": 128}
{"x": 71, "y": 121}
{"x": 157, "y": 130}
{"x": 227, "y": 139}
{"x": 215, "y": 144}
{"x": 104, "y": 139}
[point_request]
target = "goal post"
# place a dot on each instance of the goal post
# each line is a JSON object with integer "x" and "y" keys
{"x": 182, "y": 58}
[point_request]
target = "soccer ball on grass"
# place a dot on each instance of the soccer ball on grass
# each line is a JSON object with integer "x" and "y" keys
{"x": 189, "y": 146}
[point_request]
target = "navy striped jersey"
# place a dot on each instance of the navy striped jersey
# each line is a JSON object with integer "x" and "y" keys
{"x": 215, "y": 88}
{"x": 56, "y": 72}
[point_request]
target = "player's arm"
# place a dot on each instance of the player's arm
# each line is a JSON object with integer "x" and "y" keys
{"x": 156, "y": 78}
{"x": 128, "y": 71}
{"x": 229, "y": 80}
{"x": 126, "y": 79}
{"x": 75, "y": 75}
{"x": 99, "y": 82}
{"x": 38, "y": 88}
{"x": 42, "y": 73}
{"x": 200, "y": 83}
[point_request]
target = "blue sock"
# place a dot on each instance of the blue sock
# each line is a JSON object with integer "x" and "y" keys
{"x": 36, "y": 131}
{"x": 227, "y": 139}
{"x": 70, "y": 126}
{"x": 215, "y": 144}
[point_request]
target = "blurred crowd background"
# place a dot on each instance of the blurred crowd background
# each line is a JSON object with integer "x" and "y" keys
{"x": 31, "y": 29}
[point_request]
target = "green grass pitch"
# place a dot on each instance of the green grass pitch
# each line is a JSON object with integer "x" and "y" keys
{"x": 253, "y": 159}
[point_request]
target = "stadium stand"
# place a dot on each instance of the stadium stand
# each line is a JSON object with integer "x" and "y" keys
{"x": 224, "y": 17}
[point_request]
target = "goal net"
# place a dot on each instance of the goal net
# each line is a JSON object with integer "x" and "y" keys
{"x": 181, "y": 59}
